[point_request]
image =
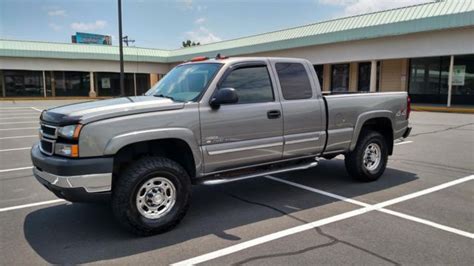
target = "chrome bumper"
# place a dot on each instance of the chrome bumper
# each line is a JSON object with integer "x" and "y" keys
{"x": 91, "y": 183}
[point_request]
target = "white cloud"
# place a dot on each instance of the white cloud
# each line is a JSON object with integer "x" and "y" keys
{"x": 57, "y": 13}
{"x": 202, "y": 35}
{"x": 82, "y": 26}
{"x": 200, "y": 20}
{"x": 201, "y": 8}
{"x": 187, "y": 4}
{"x": 55, "y": 26}
{"x": 356, "y": 7}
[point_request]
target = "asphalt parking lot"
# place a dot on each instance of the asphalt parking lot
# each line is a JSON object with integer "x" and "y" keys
{"x": 420, "y": 212}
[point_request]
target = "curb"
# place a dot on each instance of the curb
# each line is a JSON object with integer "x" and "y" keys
{"x": 459, "y": 110}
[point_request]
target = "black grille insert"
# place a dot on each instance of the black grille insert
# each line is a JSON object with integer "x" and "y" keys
{"x": 47, "y": 146}
{"x": 49, "y": 131}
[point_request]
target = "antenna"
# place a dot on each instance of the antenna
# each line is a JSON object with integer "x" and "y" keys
{"x": 126, "y": 40}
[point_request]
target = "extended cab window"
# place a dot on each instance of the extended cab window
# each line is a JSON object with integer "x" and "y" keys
{"x": 251, "y": 83}
{"x": 294, "y": 81}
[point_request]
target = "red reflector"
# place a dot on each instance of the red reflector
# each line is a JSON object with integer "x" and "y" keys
{"x": 199, "y": 58}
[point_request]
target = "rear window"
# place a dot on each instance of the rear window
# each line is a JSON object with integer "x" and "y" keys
{"x": 294, "y": 81}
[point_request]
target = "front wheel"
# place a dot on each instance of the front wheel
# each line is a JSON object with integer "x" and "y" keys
{"x": 151, "y": 196}
{"x": 368, "y": 160}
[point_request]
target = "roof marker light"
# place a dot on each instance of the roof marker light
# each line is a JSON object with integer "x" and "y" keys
{"x": 199, "y": 58}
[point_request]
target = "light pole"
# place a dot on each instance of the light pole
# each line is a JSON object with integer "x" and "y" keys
{"x": 122, "y": 77}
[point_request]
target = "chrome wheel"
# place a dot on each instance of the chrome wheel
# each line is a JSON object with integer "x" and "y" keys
{"x": 372, "y": 156}
{"x": 156, "y": 197}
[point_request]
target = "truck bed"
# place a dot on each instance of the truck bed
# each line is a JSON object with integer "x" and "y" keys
{"x": 346, "y": 113}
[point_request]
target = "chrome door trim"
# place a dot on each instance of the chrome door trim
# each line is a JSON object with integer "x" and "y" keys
{"x": 301, "y": 140}
{"x": 245, "y": 148}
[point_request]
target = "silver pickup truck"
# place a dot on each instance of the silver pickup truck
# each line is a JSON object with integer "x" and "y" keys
{"x": 210, "y": 121}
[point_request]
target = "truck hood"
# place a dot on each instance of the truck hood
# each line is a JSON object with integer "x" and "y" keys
{"x": 87, "y": 112}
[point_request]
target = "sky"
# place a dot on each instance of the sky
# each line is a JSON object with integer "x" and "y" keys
{"x": 165, "y": 24}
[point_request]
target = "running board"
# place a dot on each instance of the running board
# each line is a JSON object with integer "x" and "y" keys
{"x": 221, "y": 180}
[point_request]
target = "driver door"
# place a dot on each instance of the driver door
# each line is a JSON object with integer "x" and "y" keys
{"x": 248, "y": 132}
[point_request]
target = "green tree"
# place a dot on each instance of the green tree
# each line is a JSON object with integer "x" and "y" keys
{"x": 189, "y": 43}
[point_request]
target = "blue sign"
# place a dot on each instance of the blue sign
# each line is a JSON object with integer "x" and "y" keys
{"x": 91, "y": 38}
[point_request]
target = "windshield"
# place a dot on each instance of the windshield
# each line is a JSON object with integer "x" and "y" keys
{"x": 185, "y": 83}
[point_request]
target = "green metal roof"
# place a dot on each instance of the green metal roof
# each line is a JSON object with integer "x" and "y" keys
{"x": 419, "y": 18}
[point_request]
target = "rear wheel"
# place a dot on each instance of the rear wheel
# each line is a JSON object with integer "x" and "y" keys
{"x": 151, "y": 196}
{"x": 367, "y": 162}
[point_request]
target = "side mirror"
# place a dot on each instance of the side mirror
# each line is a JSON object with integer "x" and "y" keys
{"x": 224, "y": 96}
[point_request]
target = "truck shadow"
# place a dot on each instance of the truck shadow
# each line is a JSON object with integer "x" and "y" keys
{"x": 83, "y": 233}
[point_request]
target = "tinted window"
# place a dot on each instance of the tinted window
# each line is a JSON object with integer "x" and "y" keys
{"x": 294, "y": 81}
{"x": 252, "y": 84}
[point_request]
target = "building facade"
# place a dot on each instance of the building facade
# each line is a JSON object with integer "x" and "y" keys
{"x": 427, "y": 50}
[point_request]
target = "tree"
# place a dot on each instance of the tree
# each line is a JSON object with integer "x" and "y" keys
{"x": 189, "y": 43}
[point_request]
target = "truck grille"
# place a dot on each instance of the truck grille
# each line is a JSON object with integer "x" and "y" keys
{"x": 49, "y": 134}
{"x": 49, "y": 131}
{"x": 47, "y": 146}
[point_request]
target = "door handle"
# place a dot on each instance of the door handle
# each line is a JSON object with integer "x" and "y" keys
{"x": 273, "y": 114}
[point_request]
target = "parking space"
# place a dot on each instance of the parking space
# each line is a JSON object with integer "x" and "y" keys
{"x": 419, "y": 212}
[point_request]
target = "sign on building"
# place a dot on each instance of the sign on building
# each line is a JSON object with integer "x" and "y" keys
{"x": 90, "y": 38}
{"x": 459, "y": 74}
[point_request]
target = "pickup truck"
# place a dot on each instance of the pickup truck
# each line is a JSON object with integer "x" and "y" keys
{"x": 210, "y": 121}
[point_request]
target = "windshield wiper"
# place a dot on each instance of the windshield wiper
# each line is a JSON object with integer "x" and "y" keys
{"x": 167, "y": 97}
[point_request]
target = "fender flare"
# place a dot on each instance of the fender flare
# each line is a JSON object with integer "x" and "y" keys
{"x": 364, "y": 117}
{"x": 184, "y": 134}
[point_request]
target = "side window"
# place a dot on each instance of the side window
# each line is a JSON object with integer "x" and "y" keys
{"x": 294, "y": 81}
{"x": 252, "y": 84}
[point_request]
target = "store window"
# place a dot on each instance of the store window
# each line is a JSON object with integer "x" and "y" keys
{"x": 320, "y": 72}
{"x": 68, "y": 83}
{"x": 23, "y": 83}
{"x": 108, "y": 84}
{"x": 143, "y": 83}
{"x": 429, "y": 80}
{"x": 340, "y": 78}
{"x": 463, "y": 80}
{"x": 364, "y": 76}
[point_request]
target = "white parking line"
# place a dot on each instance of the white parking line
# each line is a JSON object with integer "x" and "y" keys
{"x": 18, "y": 117}
{"x": 16, "y": 149}
{"x": 403, "y": 142}
{"x": 20, "y": 137}
{"x": 31, "y": 205}
{"x": 16, "y": 169}
{"x": 20, "y": 128}
{"x": 26, "y": 122}
{"x": 391, "y": 202}
{"x": 13, "y": 108}
{"x": 318, "y": 223}
{"x": 36, "y": 109}
{"x": 26, "y": 112}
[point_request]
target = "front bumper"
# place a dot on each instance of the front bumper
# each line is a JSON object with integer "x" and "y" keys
{"x": 76, "y": 180}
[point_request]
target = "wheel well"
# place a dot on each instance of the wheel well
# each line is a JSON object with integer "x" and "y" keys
{"x": 384, "y": 127}
{"x": 174, "y": 149}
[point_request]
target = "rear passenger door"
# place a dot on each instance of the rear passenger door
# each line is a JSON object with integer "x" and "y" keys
{"x": 249, "y": 131}
{"x": 304, "y": 127}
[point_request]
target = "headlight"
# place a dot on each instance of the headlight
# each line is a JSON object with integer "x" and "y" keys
{"x": 69, "y": 150}
{"x": 70, "y": 132}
